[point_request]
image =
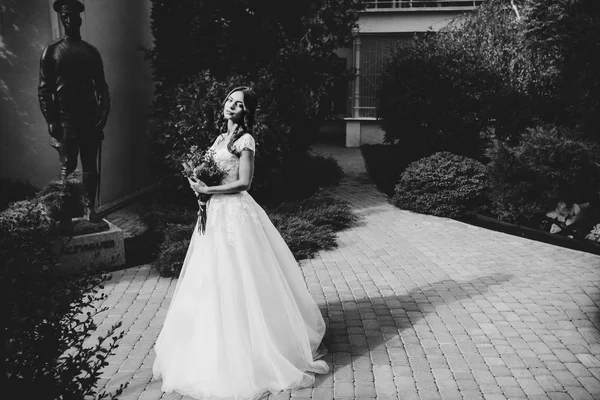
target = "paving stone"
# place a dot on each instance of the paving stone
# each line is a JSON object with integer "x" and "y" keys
{"x": 418, "y": 307}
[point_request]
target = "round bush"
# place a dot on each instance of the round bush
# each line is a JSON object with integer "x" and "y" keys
{"x": 443, "y": 184}
{"x": 549, "y": 165}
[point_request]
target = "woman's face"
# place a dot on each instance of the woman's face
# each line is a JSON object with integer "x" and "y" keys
{"x": 234, "y": 106}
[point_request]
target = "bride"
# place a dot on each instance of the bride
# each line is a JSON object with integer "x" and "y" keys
{"x": 241, "y": 323}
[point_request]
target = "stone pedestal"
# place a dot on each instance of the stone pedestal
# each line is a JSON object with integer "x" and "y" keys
{"x": 98, "y": 250}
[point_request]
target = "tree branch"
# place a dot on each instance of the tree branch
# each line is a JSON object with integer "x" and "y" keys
{"x": 514, "y": 6}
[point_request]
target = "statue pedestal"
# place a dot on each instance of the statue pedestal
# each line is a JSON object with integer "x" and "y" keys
{"x": 89, "y": 250}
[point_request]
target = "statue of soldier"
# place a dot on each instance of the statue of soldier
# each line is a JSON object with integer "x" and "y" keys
{"x": 74, "y": 99}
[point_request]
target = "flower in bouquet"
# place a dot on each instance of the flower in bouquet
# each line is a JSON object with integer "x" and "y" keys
{"x": 198, "y": 165}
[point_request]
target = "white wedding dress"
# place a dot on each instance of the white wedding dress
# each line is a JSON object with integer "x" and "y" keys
{"x": 241, "y": 323}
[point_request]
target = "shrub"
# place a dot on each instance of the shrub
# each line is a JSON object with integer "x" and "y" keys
{"x": 64, "y": 197}
{"x": 47, "y": 319}
{"x": 158, "y": 215}
{"x": 307, "y": 226}
{"x": 551, "y": 164}
{"x": 566, "y": 32}
{"x": 302, "y": 236}
{"x": 12, "y": 190}
{"x": 191, "y": 114}
{"x": 385, "y": 164}
{"x": 319, "y": 210}
{"x": 444, "y": 90}
{"x": 594, "y": 234}
{"x": 302, "y": 177}
{"x": 294, "y": 43}
{"x": 174, "y": 248}
{"x": 442, "y": 184}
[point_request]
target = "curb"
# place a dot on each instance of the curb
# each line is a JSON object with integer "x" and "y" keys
{"x": 587, "y": 246}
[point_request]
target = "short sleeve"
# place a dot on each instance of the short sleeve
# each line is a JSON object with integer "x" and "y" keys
{"x": 245, "y": 142}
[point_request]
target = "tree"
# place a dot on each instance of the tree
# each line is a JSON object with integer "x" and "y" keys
{"x": 476, "y": 74}
{"x": 567, "y": 34}
{"x": 293, "y": 43}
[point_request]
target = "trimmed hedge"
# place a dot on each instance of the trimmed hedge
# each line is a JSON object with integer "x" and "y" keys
{"x": 443, "y": 184}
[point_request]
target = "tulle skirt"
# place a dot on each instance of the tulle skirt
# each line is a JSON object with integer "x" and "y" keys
{"x": 241, "y": 323}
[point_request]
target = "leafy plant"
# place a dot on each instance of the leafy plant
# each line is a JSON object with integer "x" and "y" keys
{"x": 307, "y": 226}
{"x": 174, "y": 248}
{"x": 191, "y": 115}
{"x": 566, "y": 32}
{"x": 285, "y": 51}
{"x": 443, "y": 184}
{"x": 47, "y": 319}
{"x": 303, "y": 176}
{"x": 444, "y": 91}
{"x": 385, "y": 164}
{"x": 319, "y": 210}
{"x": 12, "y": 190}
{"x": 303, "y": 237}
{"x": 549, "y": 165}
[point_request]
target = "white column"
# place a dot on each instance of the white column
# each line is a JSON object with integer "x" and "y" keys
{"x": 356, "y": 97}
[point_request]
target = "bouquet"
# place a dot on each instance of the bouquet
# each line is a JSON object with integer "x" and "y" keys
{"x": 202, "y": 166}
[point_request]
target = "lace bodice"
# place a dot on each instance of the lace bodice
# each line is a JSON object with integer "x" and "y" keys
{"x": 236, "y": 208}
{"x": 228, "y": 161}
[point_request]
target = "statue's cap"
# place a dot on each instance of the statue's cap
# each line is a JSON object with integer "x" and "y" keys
{"x": 70, "y": 5}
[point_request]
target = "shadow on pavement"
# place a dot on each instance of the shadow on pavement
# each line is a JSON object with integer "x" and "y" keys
{"x": 367, "y": 326}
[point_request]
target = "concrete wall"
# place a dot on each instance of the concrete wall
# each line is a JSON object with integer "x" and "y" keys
{"x": 397, "y": 22}
{"x": 361, "y": 131}
{"x": 118, "y": 29}
{"x": 371, "y": 133}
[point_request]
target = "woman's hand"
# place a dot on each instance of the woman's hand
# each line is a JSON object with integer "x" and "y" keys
{"x": 198, "y": 186}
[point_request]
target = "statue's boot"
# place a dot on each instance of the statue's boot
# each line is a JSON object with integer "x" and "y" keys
{"x": 90, "y": 184}
{"x": 65, "y": 225}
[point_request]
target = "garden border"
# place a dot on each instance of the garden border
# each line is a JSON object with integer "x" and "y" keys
{"x": 532, "y": 234}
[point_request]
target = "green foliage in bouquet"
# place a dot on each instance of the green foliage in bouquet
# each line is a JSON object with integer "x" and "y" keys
{"x": 47, "y": 320}
{"x": 549, "y": 165}
{"x": 443, "y": 184}
{"x": 202, "y": 166}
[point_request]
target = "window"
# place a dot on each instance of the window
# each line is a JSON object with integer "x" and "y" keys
{"x": 371, "y": 54}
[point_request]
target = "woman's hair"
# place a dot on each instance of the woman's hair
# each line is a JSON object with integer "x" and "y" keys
{"x": 247, "y": 123}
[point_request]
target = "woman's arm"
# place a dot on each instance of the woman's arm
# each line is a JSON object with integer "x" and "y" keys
{"x": 243, "y": 183}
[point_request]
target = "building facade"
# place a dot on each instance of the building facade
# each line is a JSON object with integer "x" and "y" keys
{"x": 120, "y": 30}
{"x": 382, "y": 26}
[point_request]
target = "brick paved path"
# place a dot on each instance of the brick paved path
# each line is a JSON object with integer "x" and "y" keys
{"x": 418, "y": 307}
{"x": 129, "y": 220}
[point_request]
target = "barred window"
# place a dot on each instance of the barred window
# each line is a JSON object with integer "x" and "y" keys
{"x": 373, "y": 52}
